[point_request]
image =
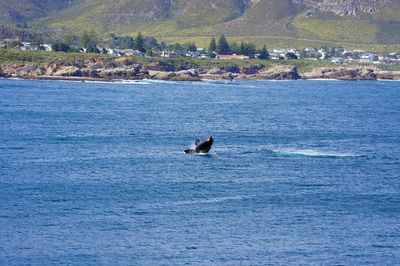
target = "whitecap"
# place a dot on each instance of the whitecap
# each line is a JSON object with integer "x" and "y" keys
{"x": 196, "y": 202}
{"x": 312, "y": 153}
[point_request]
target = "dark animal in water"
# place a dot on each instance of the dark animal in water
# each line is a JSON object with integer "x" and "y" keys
{"x": 201, "y": 147}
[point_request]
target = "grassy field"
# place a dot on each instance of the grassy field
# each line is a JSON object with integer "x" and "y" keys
{"x": 11, "y": 56}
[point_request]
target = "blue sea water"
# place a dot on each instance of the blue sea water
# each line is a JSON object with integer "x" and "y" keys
{"x": 301, "y": 172}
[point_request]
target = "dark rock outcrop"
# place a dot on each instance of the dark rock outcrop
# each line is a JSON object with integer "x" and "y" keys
{"x": 2, "y": 74}
{"x": 251, "y": 70}
{"x": 160, "y": 66}
{"x": 280, "y": 72}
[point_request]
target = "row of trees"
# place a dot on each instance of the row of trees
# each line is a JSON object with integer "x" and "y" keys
{"x": 248, "y": 49}
{"x": 139, "y": 43}
{"x": 89, "y": 41}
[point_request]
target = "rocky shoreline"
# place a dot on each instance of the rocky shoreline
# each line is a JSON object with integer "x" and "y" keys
{"x": 102, "y": 69}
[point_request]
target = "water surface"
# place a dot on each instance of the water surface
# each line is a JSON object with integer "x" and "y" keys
{"x": 301, "y": 172}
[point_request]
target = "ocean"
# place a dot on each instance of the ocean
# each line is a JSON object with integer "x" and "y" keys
{"x": 301, "y": 172}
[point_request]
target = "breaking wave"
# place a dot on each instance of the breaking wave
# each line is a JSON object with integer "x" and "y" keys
{"x": 312, "y": 153}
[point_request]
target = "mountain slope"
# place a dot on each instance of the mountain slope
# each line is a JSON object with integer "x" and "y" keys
{"x": 21, "y": 10}
{"x": 123, "y": 15}
{"x": 348, "y": 21}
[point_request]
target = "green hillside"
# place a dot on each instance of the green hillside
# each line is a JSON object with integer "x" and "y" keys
{"x": 22, "y": 10}
{"x": 368, "y": 23}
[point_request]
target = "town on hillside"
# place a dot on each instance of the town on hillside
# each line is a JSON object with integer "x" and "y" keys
{"x": 217, "y": 49}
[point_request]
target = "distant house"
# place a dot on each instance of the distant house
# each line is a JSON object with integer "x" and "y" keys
{"x": 169, "y": 54}
{"x": 231, "y": 56}
{"x": 366, "y": 58}
{"x": 337, "y": 60}
{"x": 27, "y": 46}
{"x": 193, "y": 54}
{"x": 47, "y": 47}
{"x": 130, "y": 52}
{"x": 138, "y": 53}
{"x": 204, "y": 56}
{"x": 127, "y": 52}
{"x": 112, "y": 52}
{"x": 276, "y": 56}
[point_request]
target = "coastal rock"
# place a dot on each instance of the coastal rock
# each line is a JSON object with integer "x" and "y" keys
{"x": 107, "y": 70}
{"x": 280, "y": 72}
{"x": 394, "y": 75}
{"x": 215, "y": 71}
{"x": 79, "y": 64}
{"x": 8, "y": 70}
{"x": 184, "y": 75}
{"x": 224, "y": 75}
{"x": 39, "y": 71}
{"x": 341, "y": 73}
{"x": 89, "y": 72}
{"x": 251, "y": 70}
{"x": 51, "y": 69}
{"x": 118, "y": 72}
{"x": 160, "y": 66}
{"x": 246, "y": 77}
{"x": 161, "y": 75}
{"x": 68, "y": 71}
{"x": 123, "y": 61}
{"x": 232, "y": 69}
{"x": 2, "y": 74}
{"x": 19, "y": 70}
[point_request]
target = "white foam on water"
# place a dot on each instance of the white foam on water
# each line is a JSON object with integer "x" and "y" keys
{"x": 389, "y": 80}
{"x": 158, "y": 81}
{"x": 210, "y": 200}
{"x": 325, "y": 79}
{"x": 196, "y": 202}
{"x": 312, "y": 153}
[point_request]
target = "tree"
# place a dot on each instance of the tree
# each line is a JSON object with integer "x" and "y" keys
{"x": 248, "y": 49}
{"x": 60, "y": 47}
{"x": 192, "y": 47}
{"x": 291, "y": 55}
{"x": 151, "y": 43}
{"x": 223, "y": 45}
{"x": 88, "y": 40}
{"x": 129, "y": 42}
{"x": 213, "y": 45}
{"x": 69, "y": 39}
{"x": 234, "y": 48}
{"x": 93, "y": 49}
{"x": 264, "y": 53}
{"x": 176, "y": 47}
{"x": 139, "y": 43}
{"x": 242, "y": 49}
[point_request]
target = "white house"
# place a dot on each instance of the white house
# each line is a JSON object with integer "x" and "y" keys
{"x": 47, "y": 47}
{"x": 169, "y": 54}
